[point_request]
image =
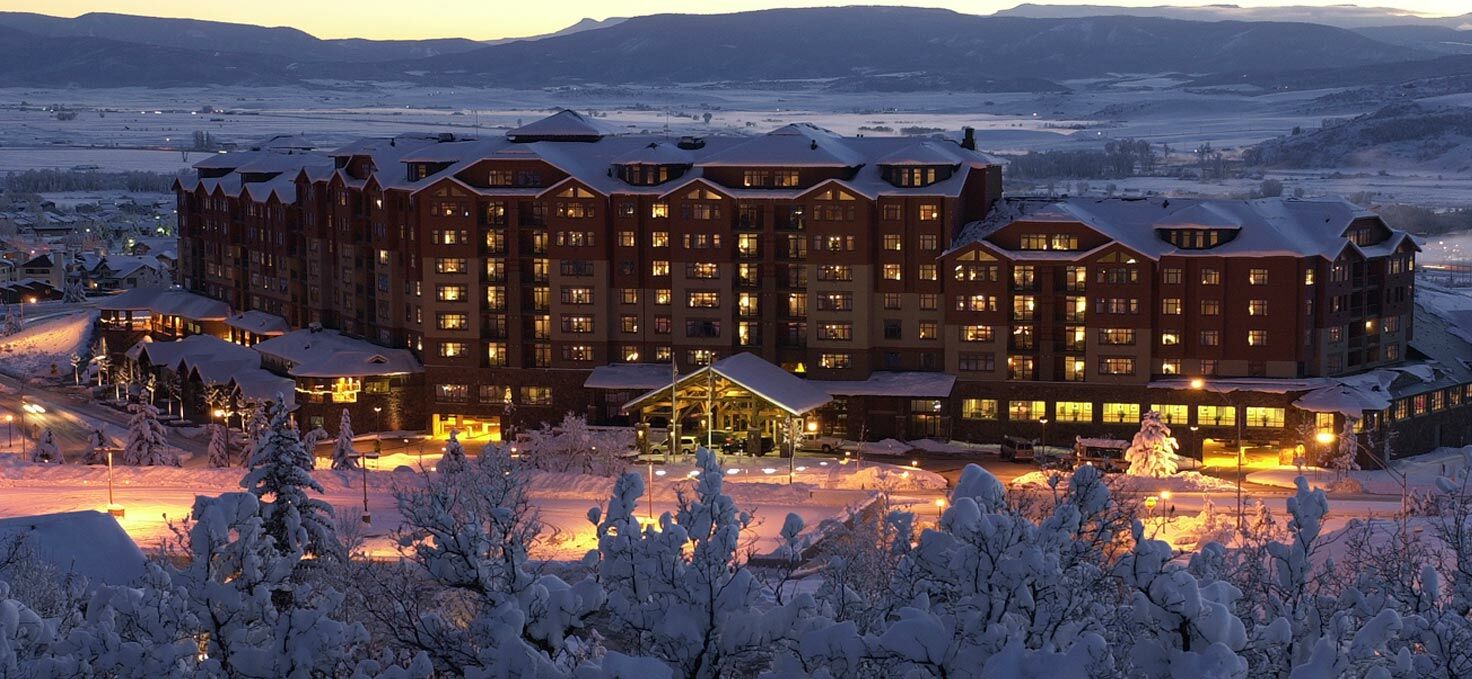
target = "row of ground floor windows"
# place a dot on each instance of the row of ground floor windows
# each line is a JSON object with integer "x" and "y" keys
{"x": 1118, "y": 413}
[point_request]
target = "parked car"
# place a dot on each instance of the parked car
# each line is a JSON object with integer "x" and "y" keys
{"x": 1017, "y": 449}
{"x": 826, "y": 444}
{"x": 688, "y": 444}
{"x": 1106, "y": 454}
{"x": 738, "y": 445}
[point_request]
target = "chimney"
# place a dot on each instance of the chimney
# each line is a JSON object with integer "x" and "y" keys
{"x": 968, "y": 138}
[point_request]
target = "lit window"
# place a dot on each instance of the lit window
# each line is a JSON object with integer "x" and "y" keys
{"x": 979, "y": 409}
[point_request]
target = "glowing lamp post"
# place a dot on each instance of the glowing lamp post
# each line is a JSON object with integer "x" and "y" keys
{"x": 1198, "y": 384}
{"x": 113, "y": 507}
{"x": 940, "y": 507}
{"x": 378, "y": 417}
{"x": 1043, "y": 443}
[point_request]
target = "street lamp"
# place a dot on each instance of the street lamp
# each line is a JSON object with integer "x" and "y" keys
{"x": 113, "y": 508}
{"x": 1043, "y": 443}
{"x": 1194, "y": 429}
{"x": 940, "y": 506}
{"x": 378, "y": 417}
{"x": 1198, "y": 384}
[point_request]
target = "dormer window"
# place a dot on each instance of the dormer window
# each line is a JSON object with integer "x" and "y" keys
{"x": 1198, "y": 239}
{"x": 767, "y": 179}
{"x": 916, "y": 175}
{"x": 648, "y": 175}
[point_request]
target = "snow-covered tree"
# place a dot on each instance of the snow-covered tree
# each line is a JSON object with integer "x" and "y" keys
{"x": 255, "y": 617}
{"x": 572, "y": 446}
{"x": 219, "y": 450}
{"x": 146, "y": 446}
{"x": 101, "y": 359}
{"x": 95, "y": 453}
{"x": 454, "y": 460}
{"x": 470, "y": 534}
{"x": 311, "y": 440}
{"x": 680, "y": 588}
{"x": 343, "y": 454}
{"x": 45, "y": 449}
{"x": 1153, "y": 450}
{"x": 281, "y": 471}
{"x": 1345, "y": 455}
{"x": 13, "y": 323}
{"x": 72, "y": 292}
{"x": 76, "y": 360}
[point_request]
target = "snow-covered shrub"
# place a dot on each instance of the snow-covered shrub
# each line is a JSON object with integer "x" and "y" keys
{"x": 95, "y": 453}
{"x": 678, "y": 591}
{"x": 1153, "y": 450}
{"x": 46, "y": 450}
{"x": 146, "y": 444}
{"x": 466, "y": 594}
{"x": 454, "y": 460}
{"x": 574, "y": 447}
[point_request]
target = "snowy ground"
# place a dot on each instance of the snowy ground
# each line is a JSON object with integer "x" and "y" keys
{"x": 1184, "y": 482}
{"x": 1417, "y": 474}
{"x": 44, "y": 349}
{"x": 153, "y": 496}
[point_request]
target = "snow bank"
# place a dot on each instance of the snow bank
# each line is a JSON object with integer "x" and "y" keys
{"x": 33, "y": 351}
{"x": 1418, "y": 473}
{"x": 1124, "y": 483}
{"x": 87, "y": 543}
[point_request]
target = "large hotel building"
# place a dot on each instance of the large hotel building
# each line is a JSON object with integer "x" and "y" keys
{"x": 560, "y": 267}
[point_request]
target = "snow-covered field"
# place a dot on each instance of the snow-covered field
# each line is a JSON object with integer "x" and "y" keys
{"x": 153, "y": 496}
{"x": 45, "y": 348}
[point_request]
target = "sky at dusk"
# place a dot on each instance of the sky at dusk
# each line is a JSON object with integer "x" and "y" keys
{"x": 489, "y": 19}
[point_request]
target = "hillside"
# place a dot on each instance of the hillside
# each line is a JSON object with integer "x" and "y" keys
{"x": 1341, "y": 15}
{"x": 288, "y": 44}
{"x": 868, "y": 48}
{"x": 1404, "y": 134}
{"x": 850, "y": 41}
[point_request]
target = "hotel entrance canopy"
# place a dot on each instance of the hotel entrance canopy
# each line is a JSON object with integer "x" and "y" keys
{"x": 743, "y": 383}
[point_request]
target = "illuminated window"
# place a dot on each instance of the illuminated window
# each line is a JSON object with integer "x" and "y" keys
{"x": 1173, "y": 413}
{"x": 1211, "y": 307}
{"x": 1074, "y": 411}
{"x": 891, "y": 272}
{"x": 536, "y": 396}
{"x": 496, "y": 354}
{"x": 450, "y": 293}
{"x": 1170, "y": 306}
{"x": 834, "y": 361}
{"x": 1216, "y": 416}
{"x": 453, "y": 349}
{"x": 1116, "y": 365}
{"x": 1121, "y": 413}
{"x": 1257, "y": 307}
{"x": 1022, "y": 411}
{"x": 452, "y": 321}
{"x": 449, "y": 265}
{"x": 1258, "y": 416}
{"x": 704, "y": 299}
{"x": 976, "y": 333}
{"x": 1257, "y": 276}
{"x": 929, "y": 212}
{"x": 893, "y": 241}
{"x": 979, "y": 409}
{"x": 1257, "y": 338}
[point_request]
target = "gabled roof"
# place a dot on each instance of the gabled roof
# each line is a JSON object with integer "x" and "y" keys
{"x": 922, "y": 153}
{"x": 313, "y": 352}
{"x": 795, "y": 145}
{"x": 564, "y": 124}
{"x": 656, "y": 153}
{"x": 1264, "y": 227}
{"x": 168, "y": 301}
{"x": 259, "y": 323}
{"x": 764, "y": 380}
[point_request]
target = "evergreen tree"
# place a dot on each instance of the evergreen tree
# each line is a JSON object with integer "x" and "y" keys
{"x": 279, "y": 470}
{"x": 454, "y": 460}
{"x": 94, "y": 454}
{"x": 310, "y": 441}
{"x": 343, "y": 455}
{"x": 12, "y": 320}
{"x": 46, "y": 450}
{"x": 1153, "y": 451}
{"x": 219, "y": 446}
{"x": 146, "y": 445}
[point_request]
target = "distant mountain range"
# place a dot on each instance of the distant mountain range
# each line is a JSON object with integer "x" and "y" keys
{"x": 1342, "y": 16}
{"x": 875, "y": 48}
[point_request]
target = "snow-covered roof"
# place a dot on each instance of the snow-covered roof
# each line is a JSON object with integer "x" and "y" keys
{"x": 905, "y": 384}
{"x": 312, "y": 352}
{"x": 88, "y": 543}
{"x": 754, "y": 374}
{"x": 1263, "y": 227}
{"x": 794, "y": 145}
{"x": 566, "y": 124}
{"x": 564, "y": 141}
{"x": 629, "y": 376}
{"x": 259, "y": 323}
{"x": 217, "y": 361}
{"x": 169, "y": 302}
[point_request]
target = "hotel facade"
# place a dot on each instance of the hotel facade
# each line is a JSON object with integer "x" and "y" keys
{"x": 561, "y": 267}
